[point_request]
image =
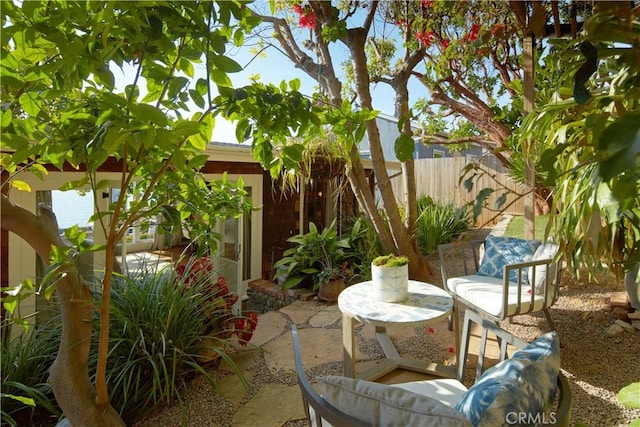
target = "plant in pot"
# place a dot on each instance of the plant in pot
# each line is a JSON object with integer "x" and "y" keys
{"x": 314, "y": 253}
{"x": 390, "y": 277}
{"x": 332, "y": 280}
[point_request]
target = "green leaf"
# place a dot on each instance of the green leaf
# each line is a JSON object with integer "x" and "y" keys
{"x": 72, "y": 185}
{"x": 75, "y": 235}
{"x": 294, "y": 84}
{"x": 28, "y": 104}
{"x": 630, "y": 395}
{"x": 621, "y": 139}
{"x": 24, "y": 400}
{"x": 238, "y": 37}
{"x": 221, "y": 78}
{"x": 404, "y": 147}
{"x": 146, "y": 113}
{"x": 20, "y": 185}
{"x": 293, "y": 152}
{"x": 105, "y": 76}
{"x": 187, "y": 128}
{"x": 5, "y": 118}
{"x": 225, "y": 64}
{"x": 38, "y": 170}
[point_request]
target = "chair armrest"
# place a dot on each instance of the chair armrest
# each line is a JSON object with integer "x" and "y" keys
{"x": 565, "y": 402}
{"x": 322, "y": 410}
{"x": 520, "y": 266}
{"x": 485, "y": 327}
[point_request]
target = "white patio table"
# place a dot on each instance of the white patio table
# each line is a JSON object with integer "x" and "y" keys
{"x": 424, "y": 305}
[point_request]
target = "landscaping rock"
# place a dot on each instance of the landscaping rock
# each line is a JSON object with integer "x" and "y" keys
{"x": 615, "y": 329}
{"x": 626, "y": 326}
{"x": 634, "y": 316}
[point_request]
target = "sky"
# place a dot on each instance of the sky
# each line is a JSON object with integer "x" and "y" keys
{"x": 273, "y": 67}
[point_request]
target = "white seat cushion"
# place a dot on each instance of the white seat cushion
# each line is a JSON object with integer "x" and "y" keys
{"x": 486, "y": 293}
{"x": 382, "y": 405}
{"x": 445, "y": 390}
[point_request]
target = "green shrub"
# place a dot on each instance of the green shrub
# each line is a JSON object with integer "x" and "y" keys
{"x": 311, "y": 254}
{"x": 164, "y": 327}
{"x": 440, "y": 223}
{"x": 364, "y": 246}
{"x": 26, "y": 396}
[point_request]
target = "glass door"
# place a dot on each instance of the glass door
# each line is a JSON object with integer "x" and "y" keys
{"x": 228, "y": 261}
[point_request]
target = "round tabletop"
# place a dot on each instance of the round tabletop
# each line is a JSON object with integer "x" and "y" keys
{"x": 425, "y": 304}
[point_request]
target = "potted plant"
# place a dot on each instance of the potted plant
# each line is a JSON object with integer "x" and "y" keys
{"x": 316, "y": 257}
{"x": 390, "y": 276}
{"x": 332, "y": 280}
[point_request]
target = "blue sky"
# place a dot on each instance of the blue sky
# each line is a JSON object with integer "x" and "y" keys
{"x": 273, "y": 67}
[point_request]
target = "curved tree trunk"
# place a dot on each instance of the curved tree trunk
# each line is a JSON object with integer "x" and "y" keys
{"x": 394, "y": 234}
{"x": 69, "y": 374}
{"x": 418, "y": 267}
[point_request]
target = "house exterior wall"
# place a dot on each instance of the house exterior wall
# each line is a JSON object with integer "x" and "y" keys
{"x": 388, "y": 127}
{"x": 432, "y": 151}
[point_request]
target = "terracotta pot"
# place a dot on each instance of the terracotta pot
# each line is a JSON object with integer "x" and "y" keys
{"x": 329, "y": 291}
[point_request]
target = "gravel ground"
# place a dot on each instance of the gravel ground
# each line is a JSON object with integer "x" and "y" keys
{"x": 596, "y": 364}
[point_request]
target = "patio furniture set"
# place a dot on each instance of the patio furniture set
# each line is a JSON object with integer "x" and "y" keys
{"x": 494, "y": 280}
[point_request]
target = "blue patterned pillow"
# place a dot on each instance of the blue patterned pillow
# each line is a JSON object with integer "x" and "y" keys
{"x": 501, "y": 251}
{"x": 524, "y": 384}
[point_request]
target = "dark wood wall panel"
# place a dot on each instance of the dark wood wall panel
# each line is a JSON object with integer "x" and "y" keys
{"x": 279, "y": 222}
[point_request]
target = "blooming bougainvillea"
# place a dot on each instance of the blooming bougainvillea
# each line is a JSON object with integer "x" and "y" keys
{"x": 219, "y": 302}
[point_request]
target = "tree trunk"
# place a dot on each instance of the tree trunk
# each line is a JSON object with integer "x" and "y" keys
{"x": 403, "y": 245}
{"x": 69, "y": 374}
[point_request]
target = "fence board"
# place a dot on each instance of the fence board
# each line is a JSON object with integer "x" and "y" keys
{"x": 440, "y": 179}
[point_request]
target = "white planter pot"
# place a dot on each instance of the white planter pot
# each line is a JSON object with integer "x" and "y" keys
{"x": 390, "y": 284}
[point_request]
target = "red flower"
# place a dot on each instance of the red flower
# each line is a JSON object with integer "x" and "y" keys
{"x": 445, "y": 44}
{"x": 473, "y": 33}
{"x": 297, "y": 8}
{"x": 308, "y": 20}
{"x": 425, "y": 38}
{"x": 426, "y": 3}
{"x": 246, "y": 327}
{"x": 451, "y": 350}
{"x": 431, "y": 330}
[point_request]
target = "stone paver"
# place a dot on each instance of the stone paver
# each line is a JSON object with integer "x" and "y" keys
{"x": 284, "y": 403}
{"x": 270, "y": 325}
{"x": 244, "y": 359}
{"x": 232, "y": 388}
{"x": 326, "y": 317}
{"x": 318, "y": 345}
{"x": 301, "y": 311}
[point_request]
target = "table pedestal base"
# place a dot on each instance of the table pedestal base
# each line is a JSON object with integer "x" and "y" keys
{"x": 393, "y": 359}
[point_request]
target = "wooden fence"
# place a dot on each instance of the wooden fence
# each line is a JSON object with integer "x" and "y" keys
{"x": 440, "y": 179}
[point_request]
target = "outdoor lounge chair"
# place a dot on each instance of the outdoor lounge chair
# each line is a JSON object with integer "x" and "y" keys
{"x": 511, "y": 388}
{"x": 514, "y": 276}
